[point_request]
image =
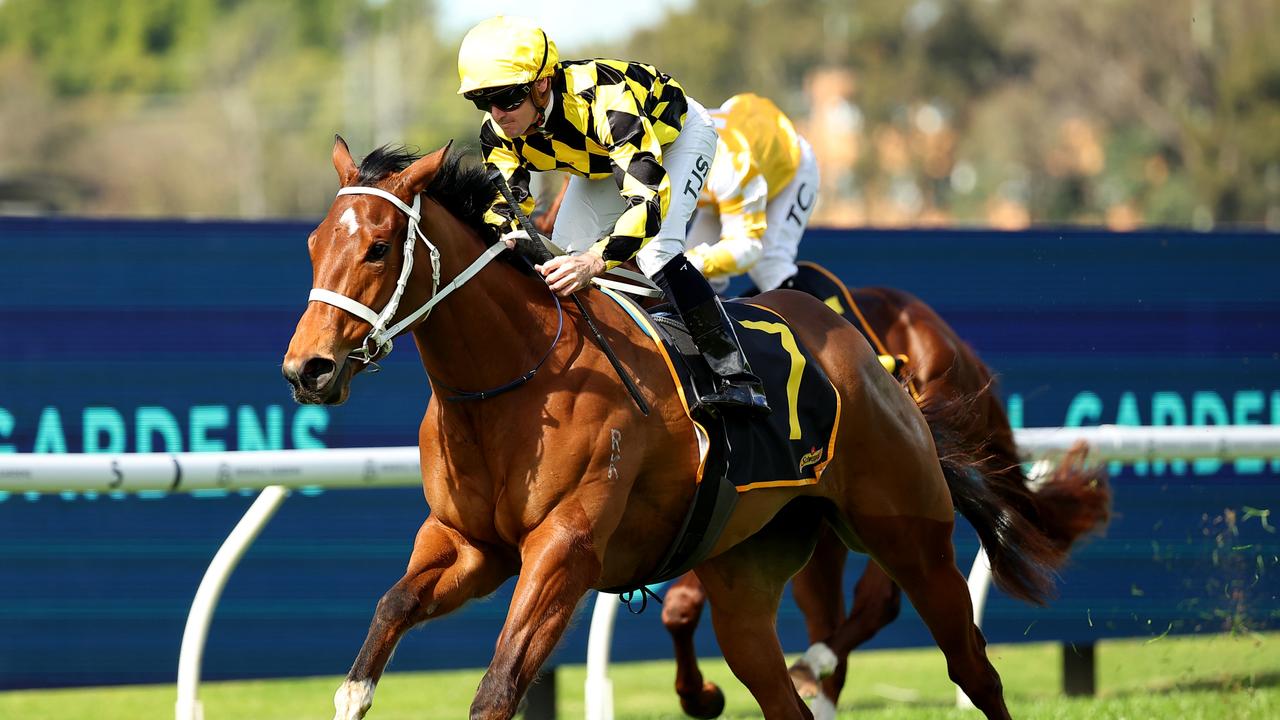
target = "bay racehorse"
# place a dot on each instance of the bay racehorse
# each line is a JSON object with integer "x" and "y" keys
{"x": 955, "y": 390}
{"x": 564, "y": 482}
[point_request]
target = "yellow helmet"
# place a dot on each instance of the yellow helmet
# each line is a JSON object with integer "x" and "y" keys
{"x": 504, "y": 51}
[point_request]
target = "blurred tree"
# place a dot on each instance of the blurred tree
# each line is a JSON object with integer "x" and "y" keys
{"x": 1190, "y": 86}
{"x": 995, "y": 111}
{"x": 216, "y": 107}
{"x": 1181, "y": 99}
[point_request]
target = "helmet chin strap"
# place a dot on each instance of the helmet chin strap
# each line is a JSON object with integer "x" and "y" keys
{"x": 541, "y": 118}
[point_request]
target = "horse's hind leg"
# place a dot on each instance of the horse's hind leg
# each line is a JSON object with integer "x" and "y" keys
{"x": 744, "y": 586}
{"x": 444, "y": 572}
{"x": 681, "y": 610}
{"x": 918, "y": 554}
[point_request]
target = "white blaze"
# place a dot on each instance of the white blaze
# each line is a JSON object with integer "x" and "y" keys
{"x": 348, "y": 220}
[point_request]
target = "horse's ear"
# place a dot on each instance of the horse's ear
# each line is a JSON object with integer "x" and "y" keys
{"x": 342, "y": 161}
{"x": 415, "y": 178}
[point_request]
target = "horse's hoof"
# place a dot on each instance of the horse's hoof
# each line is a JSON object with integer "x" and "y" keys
{"x": 805, "y": 681}
{"x": 353, "y": 699}
{"x": 822, "y": 708}
{"x": 706, "y": 704}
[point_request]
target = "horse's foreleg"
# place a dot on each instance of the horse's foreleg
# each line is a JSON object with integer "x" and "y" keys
{"x": 681, "y": 611}
{"x": 819, "y": 593}
{"x": 877, "y": 600}
{"x": 445, "y": 571}
{"x": 876, "y": 603}
{"x": 558, "y": 566}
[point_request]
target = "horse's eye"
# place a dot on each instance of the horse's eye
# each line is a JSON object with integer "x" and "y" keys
{"x": 377, "y": 251}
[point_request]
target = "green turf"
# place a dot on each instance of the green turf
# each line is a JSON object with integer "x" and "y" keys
{"x": 1184, "y": 678}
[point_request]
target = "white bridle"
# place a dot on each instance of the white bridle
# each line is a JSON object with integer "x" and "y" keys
{"x": 379, "y": 337}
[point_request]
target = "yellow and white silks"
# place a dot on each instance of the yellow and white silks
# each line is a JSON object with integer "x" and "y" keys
{"x": 758, "y": 197}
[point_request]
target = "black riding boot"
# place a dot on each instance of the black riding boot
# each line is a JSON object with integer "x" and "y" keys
{"x": 713, "y": 333}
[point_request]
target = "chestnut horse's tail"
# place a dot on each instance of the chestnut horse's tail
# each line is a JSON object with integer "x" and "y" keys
{"x": 1074, "y": 500}
{"x": 1027, "y": 535}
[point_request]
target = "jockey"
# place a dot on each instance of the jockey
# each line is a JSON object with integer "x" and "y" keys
{"x": 756, "y": 203}
{"x": 638, "y": 150}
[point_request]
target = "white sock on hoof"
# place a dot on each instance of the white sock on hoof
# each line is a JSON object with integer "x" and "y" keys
{"x": 820, "y": 660}
{"x": 353, "y": 700}
{"x": 822, "y": 708}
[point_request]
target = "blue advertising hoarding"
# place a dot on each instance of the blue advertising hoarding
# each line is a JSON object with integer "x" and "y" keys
{"x": 167, "y": 336}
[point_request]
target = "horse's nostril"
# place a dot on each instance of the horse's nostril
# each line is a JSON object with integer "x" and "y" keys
{"x": 317, "y": 372}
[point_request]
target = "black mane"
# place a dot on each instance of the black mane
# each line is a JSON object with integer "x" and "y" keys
{"x": 461, "y": 185}
{"x": 384, "y": 161}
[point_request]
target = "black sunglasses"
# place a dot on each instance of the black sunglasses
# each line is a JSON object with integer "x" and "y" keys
{"x": 505, "y": 98}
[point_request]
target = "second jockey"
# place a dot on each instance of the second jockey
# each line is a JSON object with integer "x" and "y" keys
{"x": 756, "y": 203}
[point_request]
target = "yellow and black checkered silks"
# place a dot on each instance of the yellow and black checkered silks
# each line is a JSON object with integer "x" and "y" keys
{"x": 607, "y": 118}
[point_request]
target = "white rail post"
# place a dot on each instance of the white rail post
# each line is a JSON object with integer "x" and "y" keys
{"x": 188, "y": 705}
{"x": 599, "y": 688}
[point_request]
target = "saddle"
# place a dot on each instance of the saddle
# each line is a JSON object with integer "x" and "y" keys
{"x": 790, "y": 447}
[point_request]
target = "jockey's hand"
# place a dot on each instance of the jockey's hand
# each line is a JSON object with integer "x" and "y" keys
{"x": 511, "y": 238}
{"x": 568, "y": 274}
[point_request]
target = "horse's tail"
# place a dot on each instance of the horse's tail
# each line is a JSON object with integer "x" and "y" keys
{"x": 1074, "y": 500}
{"x": 987, "y": 487}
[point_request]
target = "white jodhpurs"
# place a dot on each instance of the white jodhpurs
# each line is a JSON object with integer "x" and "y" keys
{"x": 591, "y": 207}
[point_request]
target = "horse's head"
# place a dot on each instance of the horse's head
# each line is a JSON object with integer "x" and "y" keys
{"x": 361, "y": 263}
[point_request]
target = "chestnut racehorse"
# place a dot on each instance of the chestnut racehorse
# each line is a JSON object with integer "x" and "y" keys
{"x": 544, "y": 468}
{"x": 955, "y": 391}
